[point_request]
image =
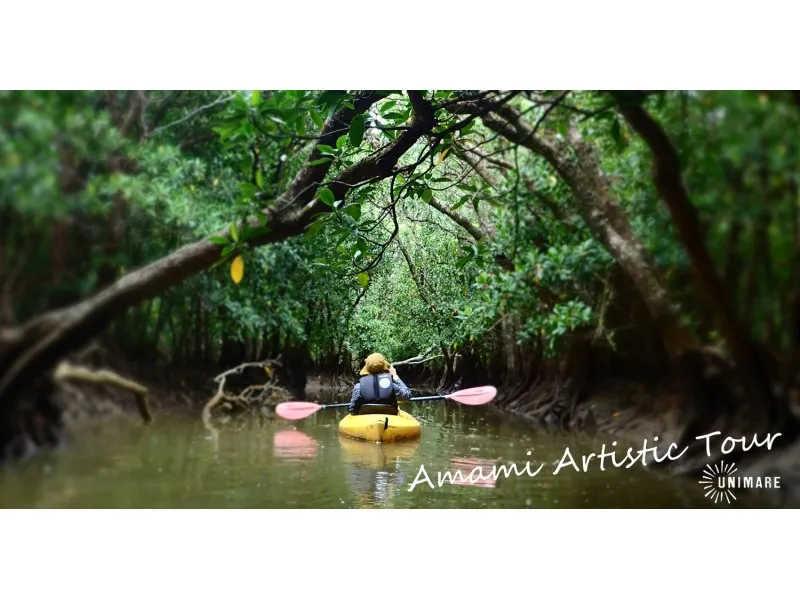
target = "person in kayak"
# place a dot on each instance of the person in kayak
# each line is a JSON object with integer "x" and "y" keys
{"x": 379, "y": 386}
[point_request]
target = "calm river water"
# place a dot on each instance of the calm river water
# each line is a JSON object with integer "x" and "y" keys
{"x": 254, "y": 462}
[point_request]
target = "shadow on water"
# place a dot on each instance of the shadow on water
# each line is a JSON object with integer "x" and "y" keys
{"x": 256, "y": 462}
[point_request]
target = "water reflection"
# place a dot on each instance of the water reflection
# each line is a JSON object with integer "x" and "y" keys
{"x": 376, "y": 472}
{"x": 294, "y": 445}
{"x": 469, "y": 471}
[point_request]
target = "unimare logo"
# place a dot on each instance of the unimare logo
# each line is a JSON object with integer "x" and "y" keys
{"x": 719, "y": 482}
{"x": 714, "y": 482}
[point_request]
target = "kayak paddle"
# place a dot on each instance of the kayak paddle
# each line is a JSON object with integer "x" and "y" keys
{"x": 469, "y": 396}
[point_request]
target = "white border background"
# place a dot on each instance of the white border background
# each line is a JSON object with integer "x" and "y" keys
{"x": 374, "y": 45}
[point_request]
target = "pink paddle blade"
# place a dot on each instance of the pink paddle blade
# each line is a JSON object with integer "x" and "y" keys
{"x": 296, "y": 409}
{"x": 474, "y": 396}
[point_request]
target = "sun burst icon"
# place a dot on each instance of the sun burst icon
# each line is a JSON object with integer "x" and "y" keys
{"x": 710, "y": 485}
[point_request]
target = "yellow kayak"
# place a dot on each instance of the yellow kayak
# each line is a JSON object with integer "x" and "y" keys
{"x": 380, "y": 428}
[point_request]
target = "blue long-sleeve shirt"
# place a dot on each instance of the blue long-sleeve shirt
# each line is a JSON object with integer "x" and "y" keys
{"x": 400, "y": 391}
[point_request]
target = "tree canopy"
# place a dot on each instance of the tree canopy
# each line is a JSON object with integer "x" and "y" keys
{"x": 489, "y": 225}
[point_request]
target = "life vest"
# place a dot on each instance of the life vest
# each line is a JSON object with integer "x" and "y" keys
{"x": 378, "y": 390}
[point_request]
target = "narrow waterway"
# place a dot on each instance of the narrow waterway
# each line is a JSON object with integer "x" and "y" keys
{"x": 257, "y": 462}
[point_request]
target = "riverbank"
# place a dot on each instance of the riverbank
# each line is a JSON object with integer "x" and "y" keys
{"x": 630, "y": 412}
{"x": 622, "y": 408}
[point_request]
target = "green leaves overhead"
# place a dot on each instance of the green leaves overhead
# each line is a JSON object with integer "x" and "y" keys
{"x": 538, "y": 263}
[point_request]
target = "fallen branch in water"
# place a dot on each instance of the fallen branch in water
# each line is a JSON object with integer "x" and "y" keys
{"x": 74, "y": 373}
{"x": 253, "y": 396}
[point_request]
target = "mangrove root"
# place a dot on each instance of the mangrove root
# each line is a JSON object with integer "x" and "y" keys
{"x": 74, "y": 373}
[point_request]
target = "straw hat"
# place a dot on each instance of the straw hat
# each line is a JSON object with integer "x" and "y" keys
{"x": 375, "y": 364}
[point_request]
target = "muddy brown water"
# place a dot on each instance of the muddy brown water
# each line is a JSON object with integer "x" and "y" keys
{"x": 257, "y": 462}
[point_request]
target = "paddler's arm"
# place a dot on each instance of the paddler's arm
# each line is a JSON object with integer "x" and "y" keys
{"x": 354, "y": 399}
{"x": 400, "y": 387}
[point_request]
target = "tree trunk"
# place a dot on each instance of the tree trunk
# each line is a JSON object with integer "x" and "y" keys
{"x": 684, "y": 215}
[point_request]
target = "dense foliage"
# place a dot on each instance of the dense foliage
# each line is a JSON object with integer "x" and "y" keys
{"x": 479, "y": 237}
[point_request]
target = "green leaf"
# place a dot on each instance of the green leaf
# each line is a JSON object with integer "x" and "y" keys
{"x": 463, "y": 261}
{"x": 300, "y": 125}
{"x": 331, "y": 97}
{"x": 234, "y": 232}
{"x": 395, "y": 116}
{"x": 357, "y": 126}
{"x": 255, "y": 98}
{"x": 340, "y": 142}
{"x": 238, "y": 103}
{"x": 316, "y": 117}
{"x": 259, "y": 179}
{"x": 250, "y": 233}
{"x": 427, "y": 195}
{"x": 225, "y": 131}
{"x": 353, "y": 210}
{"x": 320, "y": 161}
{"x": 342, "y": 237}
{"x": 248, "y": 189}
{"x": 616, "y": 134}
{"x": 476, "y": 201}
{"x": 219, "y": 240}
{"x": 363, "y": 279}
{"x": 315, "y": 228}
{"x": 326, "y": 196}
{"x": 327, "y": 149}
{"x": 464, "y": 199}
